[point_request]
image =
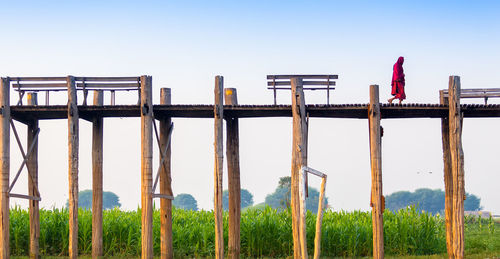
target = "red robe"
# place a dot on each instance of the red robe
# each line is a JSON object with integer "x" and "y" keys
{"x": 398, "y": 80}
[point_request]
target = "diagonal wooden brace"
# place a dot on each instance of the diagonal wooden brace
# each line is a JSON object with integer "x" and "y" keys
{"x": 25, "y": 156}
{"x": 162, "y": 152}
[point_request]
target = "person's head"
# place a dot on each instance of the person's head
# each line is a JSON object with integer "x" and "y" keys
{"x": 401, "y": 60}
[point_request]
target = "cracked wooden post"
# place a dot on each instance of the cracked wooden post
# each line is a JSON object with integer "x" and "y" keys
{"x": 219, "y": 158}
{"x": 376, "y": 172}
{"x": 166, "y": 181}
{"x": 97, "y": 151}
{"x": 299, "y": 159}
{"x": 73, "y": 130}
{"x": 448, "y": 180}
{"x": 32, "y": 165}
{"x": 146, "y": 167}
{"x": 233, "y": 176}
{"x": 457, "y": 166}
{"x": 4, "y": 167}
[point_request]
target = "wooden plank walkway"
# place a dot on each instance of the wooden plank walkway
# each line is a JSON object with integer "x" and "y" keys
{"x": 355, "y": 111}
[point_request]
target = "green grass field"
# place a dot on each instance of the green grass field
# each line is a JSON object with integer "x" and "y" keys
{"x": 265, "y": 233}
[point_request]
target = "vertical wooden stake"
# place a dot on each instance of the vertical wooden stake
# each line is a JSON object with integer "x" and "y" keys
{"x": 4, "y": 167}
{"x": 147, "y": 167}
{"x": 219, "y": 158}
{"x": 448, "y": 179}
{"x": 233, "y": 173}
{"x": 97, "y": 151}
{"x": 299, "y": 159}
{"x": 457, "y": 166}
{"x": 319, "y": 220}
{"x": 32, "y": 165}
{"x": 376, "y": 168}
{"x": 73, "y": 130}
{"x": 166, "y": 181}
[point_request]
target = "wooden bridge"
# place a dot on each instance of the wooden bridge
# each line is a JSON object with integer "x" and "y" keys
{"x": 449, "y": 111}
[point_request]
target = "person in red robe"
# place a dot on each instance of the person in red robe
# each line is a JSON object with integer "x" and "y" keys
{"x": 398, "y": 81}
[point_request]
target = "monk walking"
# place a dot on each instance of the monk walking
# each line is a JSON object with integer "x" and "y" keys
{"x": 398, "y": 81}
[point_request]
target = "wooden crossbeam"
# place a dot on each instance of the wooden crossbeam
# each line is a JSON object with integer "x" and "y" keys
{"x": 22, "y": 196}
{"x": 163, "y": 196}
{"x": 287, "y": 82}
{"x": 303, "y": 76}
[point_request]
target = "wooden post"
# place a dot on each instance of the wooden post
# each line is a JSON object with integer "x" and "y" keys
{"x": 32, "y": 165}
{"x": 166, "y": 181}
{"x": 4, "y": 167}
{"x": 97, "y": 151}
{"x": 448, "y": 179}
{"x": 457, "y": 166}
{"x": 376, "y": 168}
{"x": 219, "y": 158}
{"x": 319, "y": 220}
{"x": 73, "y": 130}
{"x": 147, "y": 167}
{"x": 233, "y": 176}
{"x": 299, "y": 159}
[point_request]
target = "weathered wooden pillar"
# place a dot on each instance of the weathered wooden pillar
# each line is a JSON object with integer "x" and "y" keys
{"x": 457, "y": 166}
{"x": 32, "y": 165}
{"x": 4, "y": 167}
{"x": 448, "y": 179}
{"x": 299, "y": 159}
{"x": 166, "y": 181}
{"x": 97, "y": 151}
{"x": 219, "y": 159}
{"x": 376, "y": 168}
{"x": 73, "y": 130}
{"x": 233, "y": 176}
{"x": 147, "y": 167}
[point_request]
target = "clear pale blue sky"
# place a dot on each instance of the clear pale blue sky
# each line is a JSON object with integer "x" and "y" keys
{"x": 184, "y": 44}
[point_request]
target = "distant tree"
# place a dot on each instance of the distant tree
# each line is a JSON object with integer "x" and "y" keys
{"x": 281, "y": 197}
{"x": 185, "y": 201}
{"x": 426, "y": 199}
{"x": 246, "y": 199}
{"x": 109, "y": 200}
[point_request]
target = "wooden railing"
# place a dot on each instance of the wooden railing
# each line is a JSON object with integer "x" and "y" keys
{"x": 477, "y": 93}
{"x": 54, "y": 84}
{"x": 320, "y": 82}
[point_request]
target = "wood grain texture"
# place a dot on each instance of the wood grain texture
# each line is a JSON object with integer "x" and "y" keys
{"x": 319, "y": 219}
{"x": 299, "y": 159}
{"x": 34, "y": 207}
{"x": 233, "y": 176}
{"x": 448, "y": 179}
{"x": 376, "y": 172}
{"x": 457, "y": 166}
{"x": 218, "y": 170}
{"x": 97, "y": 177}
{"x": 4, "y": 167}
{"x": 167, "y": 249}
{"x": 146, "y": 167}
{"x": 73, "y": 135}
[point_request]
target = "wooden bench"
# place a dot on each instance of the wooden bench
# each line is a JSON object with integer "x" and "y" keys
{"x": 320, "y": 82}
{"x": 477, "y": 93}
{"x": 54, "y": 84}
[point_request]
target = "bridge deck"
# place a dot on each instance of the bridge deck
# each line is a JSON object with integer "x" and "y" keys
{"x": 356, "y": 111}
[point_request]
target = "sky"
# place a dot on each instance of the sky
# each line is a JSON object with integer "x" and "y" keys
{"x": 185, "y": 44}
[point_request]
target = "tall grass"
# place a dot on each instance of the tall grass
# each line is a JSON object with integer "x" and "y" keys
{"x": 265, "y": 232}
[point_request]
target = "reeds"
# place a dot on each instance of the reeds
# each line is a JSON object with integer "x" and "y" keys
{"x": 265, "y": 232}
